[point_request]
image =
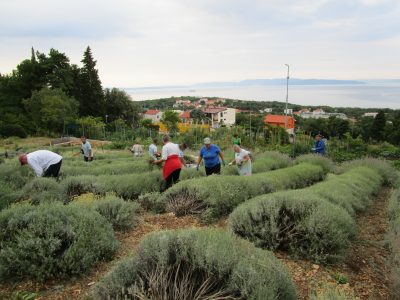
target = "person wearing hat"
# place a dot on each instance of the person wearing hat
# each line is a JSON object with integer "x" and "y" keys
{"x": 319, "y": 147}
{"x": 43, "y": 162}
{"x": 172, "y": 166}
{"x": 242, "y": 160}
{"x": 211, "y": 154}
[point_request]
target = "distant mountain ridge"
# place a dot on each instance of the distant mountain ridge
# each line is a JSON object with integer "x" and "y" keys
{"x": 258, "y": 82}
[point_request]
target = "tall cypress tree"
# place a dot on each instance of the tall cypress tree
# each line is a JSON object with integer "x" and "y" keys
{"x": 378, "y": 126}
{"x": 91, "y": 96}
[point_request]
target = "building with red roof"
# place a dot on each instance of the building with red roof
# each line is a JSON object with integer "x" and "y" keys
{"x": 154, "y": 115}
{"x": 281, "y": 121}
{"x": 220, "y": 116}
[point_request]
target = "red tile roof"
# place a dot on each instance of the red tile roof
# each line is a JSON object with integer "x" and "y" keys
{"x": 279, "y": 120}
{"x": 152, "y": 112}
{"x": 213, "y": 110}
{"x": 185, "y": 115}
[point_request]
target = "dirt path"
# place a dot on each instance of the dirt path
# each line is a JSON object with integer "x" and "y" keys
{"x": 364, "y": 273}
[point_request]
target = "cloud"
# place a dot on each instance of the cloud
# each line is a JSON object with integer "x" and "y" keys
{"x": 141, "y": 42}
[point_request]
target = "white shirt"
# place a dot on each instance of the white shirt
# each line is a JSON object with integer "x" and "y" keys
{"x": 152, "y": 150}
{"x": 239, "y": 156}
{"x": 86, "y": 147}
{"x": 169, "y": 149}
{"x": 41, "y": 160}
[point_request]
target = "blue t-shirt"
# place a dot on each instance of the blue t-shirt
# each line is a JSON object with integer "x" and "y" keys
{"x": 210, "y": 155}
{"x": 319, "y": 147}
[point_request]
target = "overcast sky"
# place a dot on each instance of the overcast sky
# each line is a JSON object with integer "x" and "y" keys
{"x": 163, "y": 42}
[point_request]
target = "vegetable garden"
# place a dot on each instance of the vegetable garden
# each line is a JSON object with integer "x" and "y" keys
{"x": 303, "y": 209}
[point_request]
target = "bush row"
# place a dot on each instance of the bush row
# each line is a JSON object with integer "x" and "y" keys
{"x": 115, "y": 168}
{"x": 315, "y": 222}
{"x": 216, "y": 196}
{"x": 263, "y": 162}
{"x": 52, "y": 240}
{"x": 197, "y": 264}
{"x": 394, "y": 241}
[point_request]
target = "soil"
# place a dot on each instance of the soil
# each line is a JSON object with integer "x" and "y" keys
{"x": 363, "y": 274}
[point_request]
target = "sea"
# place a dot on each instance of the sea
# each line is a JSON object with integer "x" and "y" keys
{"x": 368, "y": 95}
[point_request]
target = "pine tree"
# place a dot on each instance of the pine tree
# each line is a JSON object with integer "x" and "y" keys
{"x": 91, "y": 96}
{"x": 378, "y": 126}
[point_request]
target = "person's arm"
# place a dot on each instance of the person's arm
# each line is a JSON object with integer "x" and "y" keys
{"x": 164, "y": 156}
{"x": 222, "y": 157}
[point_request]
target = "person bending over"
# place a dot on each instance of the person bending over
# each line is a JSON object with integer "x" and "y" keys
{"x": 43, "y": 162}
{"x": 172, "y": 164}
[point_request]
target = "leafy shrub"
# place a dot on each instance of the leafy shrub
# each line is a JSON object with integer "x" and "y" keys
{"x": 317, "y": 159}
{"x": 14, "y": 175}
{"x": 40, "y": 189}
{"x": 394, "y": 241}
{"x": 7, "y": 195}
{"x": 151, "y": 202}
{"x": 197, "y": 264}
{"x": 263, "y": 162}
{"x": 75, "y": 186}
{"x": 121, "y": 214}
{"x": 215, "y": 196}
{"x": 131, "y": 186}
{"x": 313, "y": 222}
{"x": 95, "y": 168}
{"x": 384, "y": 168}
{"x": 52, "y": 240}
{"x": 297, "y": 221}
{"x": 352, "y": 190}
{"x": 7, "y": 130}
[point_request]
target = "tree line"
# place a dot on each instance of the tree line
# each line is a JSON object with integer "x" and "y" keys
{"x": 47, "y": 93}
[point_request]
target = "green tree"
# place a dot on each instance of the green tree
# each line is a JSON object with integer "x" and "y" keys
{"x": 91, "y": 126}
{"x": 91, "y": 96}
{"x": 337, "y": 127}
{"x": 378, "y": 126}
{"x": 170, "y": 119}
{"x": 197, "y": 115}
{"x": 50, "y": 109}
{"x": 119, "y": 105}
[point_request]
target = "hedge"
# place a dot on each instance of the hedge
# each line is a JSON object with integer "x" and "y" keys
{"x": 115, "y": 168}
{"x": 121, "y": 214}
{"x": 296, "y": 221}
{"x": 263, "y": 162}
{"x": 216, "y": 196}
{"x": 394, "y": 242}
{"x": 197, "y": 264}
{"x": 308, "y": 222}
{"x": 317, "y": 159}
{"x": 52, "y": 240}
{"x": 385, "y": 169}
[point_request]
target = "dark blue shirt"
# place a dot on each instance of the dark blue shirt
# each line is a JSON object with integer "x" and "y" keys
{"x": 319, "y": 147}
{"x": 210, "y": 155}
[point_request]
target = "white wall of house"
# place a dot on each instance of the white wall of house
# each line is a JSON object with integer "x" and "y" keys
{"x": 154, "y": 118}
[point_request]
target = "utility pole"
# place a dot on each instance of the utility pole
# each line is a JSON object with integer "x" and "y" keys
{"x": 287, "y": 96}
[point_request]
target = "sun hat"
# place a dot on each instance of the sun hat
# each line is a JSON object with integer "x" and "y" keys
{"x": 207, "y": 141}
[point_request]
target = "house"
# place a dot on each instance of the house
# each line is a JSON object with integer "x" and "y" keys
{"x": 318, "y": 114}
{"x": 268, "y": 110}
{"x": 153, "y": 114}
{"x": 185, "y": 117}
{"x": 281, "y": 121}
{"x": 370, "y": 114}
{"x": 288, "y": 111}
{"x": 218, "y": 116}
{"x": 182, "y": 102}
